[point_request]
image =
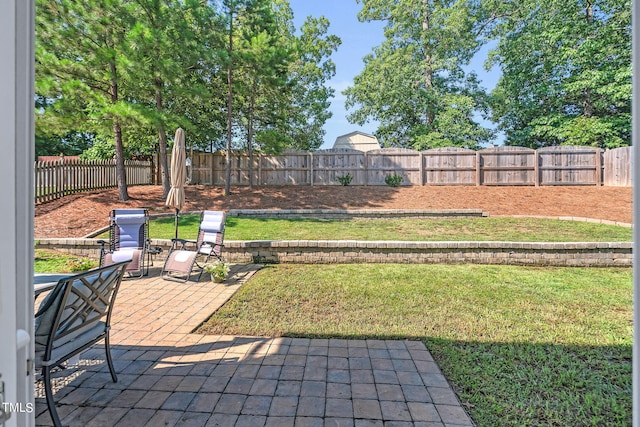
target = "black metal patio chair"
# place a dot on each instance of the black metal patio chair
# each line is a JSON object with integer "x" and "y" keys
{"x": 75, "y": 315}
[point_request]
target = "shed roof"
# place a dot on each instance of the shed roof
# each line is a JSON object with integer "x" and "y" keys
{"x": 358, "y": 141}
{"x": 357, "y": 132}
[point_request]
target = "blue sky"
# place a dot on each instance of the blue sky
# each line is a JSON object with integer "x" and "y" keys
{"x": 358, "y": 39}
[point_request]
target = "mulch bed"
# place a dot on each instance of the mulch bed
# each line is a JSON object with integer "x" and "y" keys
{"x": 80, "y": 214}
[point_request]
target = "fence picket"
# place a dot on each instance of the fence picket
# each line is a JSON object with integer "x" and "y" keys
{"x": 55, "y": 179}
{"x": 617, "y": 165}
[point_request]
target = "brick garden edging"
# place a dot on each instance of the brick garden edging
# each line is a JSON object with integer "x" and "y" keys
{"x": 588, "y": 254}
{"x": 356, "y": 213}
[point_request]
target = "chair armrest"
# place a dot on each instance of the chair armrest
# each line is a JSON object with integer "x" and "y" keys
{"x": 40, "y": 288}
{"x": 182, "y": 243}
{"x": 206, "y": 242}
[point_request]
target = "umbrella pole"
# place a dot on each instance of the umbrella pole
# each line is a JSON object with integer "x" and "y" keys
{"x": 176, "y": 225}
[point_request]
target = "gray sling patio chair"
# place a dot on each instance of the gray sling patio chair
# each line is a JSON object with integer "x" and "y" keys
{"x": 128, "y": 240}
{"x": 75, "y": 315}
{"x": 187, "y": 255}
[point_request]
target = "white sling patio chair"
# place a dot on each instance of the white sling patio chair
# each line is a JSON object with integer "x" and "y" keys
{"x": 187, "y": 255}
{"x": 128, "y": 240}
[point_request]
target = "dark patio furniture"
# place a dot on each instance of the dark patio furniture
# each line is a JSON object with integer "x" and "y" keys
{"x": 75, "y": 315}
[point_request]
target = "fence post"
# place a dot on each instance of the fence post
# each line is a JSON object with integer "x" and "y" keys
{"x": 478, "y": 169}
{"x": 422, "y": 177}
{"x": 104, "y": 176}
{"x": 536, "y": 168}
{"x": 366, "y": 169}
{"x": 213, "y": 168}
{"x": 598, "y": 163}
{"x": 311, "y": 168}
{"x": 62, "y": 174}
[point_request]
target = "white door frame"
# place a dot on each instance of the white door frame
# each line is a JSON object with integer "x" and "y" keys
{"x": 16, "y": 208}
{"x": 16, "y": 193}
{"x": 635, "y": 162}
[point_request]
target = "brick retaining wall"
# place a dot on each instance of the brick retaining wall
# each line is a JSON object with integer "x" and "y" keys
{"x": 601, "y": 254}
{"x": 328, "y": 251}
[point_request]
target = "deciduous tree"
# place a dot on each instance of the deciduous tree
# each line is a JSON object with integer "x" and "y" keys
{"x": 566, "y": 72}
{"x": 310, "y": 91}
{"x": 414, "y": 83}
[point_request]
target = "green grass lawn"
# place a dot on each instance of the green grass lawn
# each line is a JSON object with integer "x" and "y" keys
{"x": 475, "y": 229}
{"x": 521, "y": 345}
{"x": 47, "y": 261}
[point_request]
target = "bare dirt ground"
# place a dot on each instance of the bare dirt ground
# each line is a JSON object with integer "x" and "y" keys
{"x": 80, "y": 214}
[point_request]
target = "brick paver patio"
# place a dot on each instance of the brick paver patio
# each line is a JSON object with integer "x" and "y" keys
{"x": 168, "y": 376}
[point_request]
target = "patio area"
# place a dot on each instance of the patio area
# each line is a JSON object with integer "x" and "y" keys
{"x": 168, "y": 376}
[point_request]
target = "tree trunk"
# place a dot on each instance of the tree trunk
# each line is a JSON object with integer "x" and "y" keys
{"x": 589, "y": 12}
{"x": 252, "y": 106}
{"x": 162, "y": 135}
{"x": 121, "y": 173}
{"x": 164, "y": 161}
{"x": 588, "y": 109}
{"x": 227, "y": 184}
{"x": 428, "y": 67}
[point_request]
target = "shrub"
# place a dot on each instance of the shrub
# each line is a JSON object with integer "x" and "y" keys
{"x": 393, "y": 180}
{"x": 345, "y": 179}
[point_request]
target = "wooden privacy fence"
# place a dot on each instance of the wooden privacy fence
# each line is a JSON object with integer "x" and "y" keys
{"x": 563, "y": 165}
{"x": 59, "y": 178}
{"x": 443, "y": 166}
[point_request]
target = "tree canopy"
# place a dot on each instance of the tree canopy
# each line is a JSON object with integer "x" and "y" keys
{"x": 414, "y": 83}
{"x": 113, "y": 77}
{"x": 565, "y": 72}
{"x": 124, "y": 72}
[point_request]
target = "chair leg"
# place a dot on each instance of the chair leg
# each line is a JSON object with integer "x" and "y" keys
{"x": 107, "y": 349}
{"x": 201, "y": 267}
{"x": 206, "y": 260}
{"x": 144, "y": 266}
{"x": 137, "y": 275}
{"x": 51, "y": 405}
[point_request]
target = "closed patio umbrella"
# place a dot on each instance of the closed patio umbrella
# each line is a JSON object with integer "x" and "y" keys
{"x": 175, "y": 198}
